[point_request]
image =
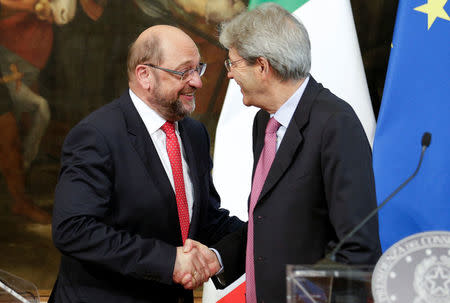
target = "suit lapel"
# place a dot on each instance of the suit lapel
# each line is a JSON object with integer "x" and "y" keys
{"x": 260, "y": 134}
{"x": 193, "y": 171}
{"x": 293, "y": 137}
{"x": 143, "y": 144}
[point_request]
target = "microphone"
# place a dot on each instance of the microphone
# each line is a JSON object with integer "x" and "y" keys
{"x": 426, "y": 140}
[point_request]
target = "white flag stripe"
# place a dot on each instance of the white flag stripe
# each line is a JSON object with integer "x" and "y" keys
{"x": 233, "y": 157}
{"x": 210, "y": 294}
{"x": 336, "y": 57}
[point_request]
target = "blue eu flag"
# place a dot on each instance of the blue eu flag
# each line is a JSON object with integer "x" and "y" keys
{"x": 416, "y": 99}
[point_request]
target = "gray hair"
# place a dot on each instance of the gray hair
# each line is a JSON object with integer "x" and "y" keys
{"x": 146, "y": 51}
{"x": 271, "y": 32}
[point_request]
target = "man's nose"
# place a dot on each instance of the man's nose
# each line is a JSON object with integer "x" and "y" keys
{"x": 196, "y": 80}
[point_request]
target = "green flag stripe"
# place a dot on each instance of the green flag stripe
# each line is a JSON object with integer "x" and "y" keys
{"x": 290, "y": 5}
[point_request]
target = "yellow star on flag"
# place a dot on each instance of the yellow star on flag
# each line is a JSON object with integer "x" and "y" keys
{"x": 434, "y": 9}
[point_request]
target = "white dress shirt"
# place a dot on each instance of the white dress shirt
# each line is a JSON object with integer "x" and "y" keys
{"x": 153, "y": 123}
{"x": 284, "y": 114}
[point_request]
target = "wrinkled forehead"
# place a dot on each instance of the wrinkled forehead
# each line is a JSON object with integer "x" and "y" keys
{"x": 180, "y": 49}
{"x": 233, "y": 55}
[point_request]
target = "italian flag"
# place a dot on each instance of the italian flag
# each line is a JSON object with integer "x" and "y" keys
{"x": 336, "y": 63}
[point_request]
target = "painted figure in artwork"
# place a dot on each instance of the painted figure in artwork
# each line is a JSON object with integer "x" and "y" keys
{"x": 26, "y": 40}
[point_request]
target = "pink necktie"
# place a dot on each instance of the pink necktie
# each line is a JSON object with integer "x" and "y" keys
{"x": 262, "y": 169}
{"x": 173, "y": 150}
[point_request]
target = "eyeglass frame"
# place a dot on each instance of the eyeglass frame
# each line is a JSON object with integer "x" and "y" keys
{"x": 228, "y": 63}
{"x": 200, "y": 69}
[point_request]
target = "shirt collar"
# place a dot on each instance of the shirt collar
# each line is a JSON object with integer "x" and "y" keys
{"x": 152, "y": 120}
{"x": 284, "y": 114}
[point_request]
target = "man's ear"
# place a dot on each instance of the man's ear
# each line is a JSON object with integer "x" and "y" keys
{"x": 263, "y": 66}
{"x": 143, "y": 76}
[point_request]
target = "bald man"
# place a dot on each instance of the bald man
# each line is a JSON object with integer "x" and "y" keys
{"x": 135, "y": 183}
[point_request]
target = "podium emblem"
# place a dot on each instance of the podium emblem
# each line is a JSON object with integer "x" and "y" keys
{"x": 414, "y": 270}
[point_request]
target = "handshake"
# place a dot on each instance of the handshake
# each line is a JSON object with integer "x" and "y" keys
{"x": 195, "y": 263}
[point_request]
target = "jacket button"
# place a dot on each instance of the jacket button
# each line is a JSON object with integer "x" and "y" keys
{"x": 259, "y": 259}
{"x": 259, "y": 217}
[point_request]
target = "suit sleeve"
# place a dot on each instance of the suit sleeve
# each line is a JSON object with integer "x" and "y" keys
{"x": 232, "y": 248}
{"x": 346, "y": 161}
{"x": 82, "y": 213}
{"x": 217, "y": 223}
{"x": 232, "y": 251}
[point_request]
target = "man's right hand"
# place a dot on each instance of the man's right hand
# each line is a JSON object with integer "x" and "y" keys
{"x": 209, "y": 257}
{"x": 208, "y": 254}
{"x": 191, "y": 268}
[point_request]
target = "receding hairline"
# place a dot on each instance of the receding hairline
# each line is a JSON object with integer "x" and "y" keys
{"x": 164, "y": 33}
{"x": 160, "y": 37}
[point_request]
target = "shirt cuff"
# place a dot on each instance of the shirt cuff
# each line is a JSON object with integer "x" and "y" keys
{"x": 220, "y": 261}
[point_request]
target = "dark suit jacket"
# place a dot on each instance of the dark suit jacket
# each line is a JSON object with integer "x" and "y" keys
{"x": 320, "y": 185}
{"x": 115, "y": 215}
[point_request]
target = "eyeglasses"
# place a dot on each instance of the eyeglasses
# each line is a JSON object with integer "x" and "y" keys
{"x": 228, "y": 63}
{"x": 187, "y": 74}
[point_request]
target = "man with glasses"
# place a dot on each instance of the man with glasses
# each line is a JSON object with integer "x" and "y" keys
{"x": 312, "y": 175}
{"x": 135, "y": 184}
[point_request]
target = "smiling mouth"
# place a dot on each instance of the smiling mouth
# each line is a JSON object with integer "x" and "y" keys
{"x": 188, "y": 94}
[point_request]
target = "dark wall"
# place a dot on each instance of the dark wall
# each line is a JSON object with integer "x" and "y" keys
{"x": 374, "y": 21}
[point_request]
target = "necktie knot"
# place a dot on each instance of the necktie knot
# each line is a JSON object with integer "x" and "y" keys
{"x": 272, "y": 126}
{"x": 168, "y": 128}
